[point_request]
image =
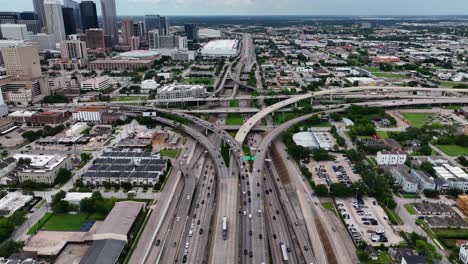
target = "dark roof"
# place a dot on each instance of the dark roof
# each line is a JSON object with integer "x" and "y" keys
{"x": 415, "y": 259}
{"x": 106, "y": 251}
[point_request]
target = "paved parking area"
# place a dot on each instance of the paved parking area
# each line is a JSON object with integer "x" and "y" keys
{"x": 375, "y": 218}
{"x": 425, "y": 208}
{"x": 327, "y": 172}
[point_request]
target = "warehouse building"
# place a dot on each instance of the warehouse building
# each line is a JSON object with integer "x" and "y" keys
{"x": 220, "y": 48}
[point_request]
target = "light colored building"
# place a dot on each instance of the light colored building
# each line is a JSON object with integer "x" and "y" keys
{"x": 119, "y": 64}
{"x": 135, "y": 43}
{"x": 181, "y": 91}
{"x": 13, "y": 201}
{"x": 425, "y": 181}
{"x": 454, "y": 176}
{"x": 312, "y": 139}
{"x": 43, "y": 168}
{"x": 109, "y": 17}
{"x": 22, "y": 61}
{"x": 73, "y": 49}
{"x": 76, "y": 197}
{"x": 76, "y": 129}
{"x": 157, "y": 41}
{"x": 463, "y": 254}
{"x": 21, "y": 116}
{"x": 391, "y": 157}
{"x": 15, "y": 31}
{"x": 54, "y": 19}
{"x": 89, "y": 113}
{"x": 21, "y": 92}
{"x": 6, "y": 167}
{"x": 403, "y": 179}
{"x": 120, "y": 221}
{"x": 220, "y": 48}
{"x": 183, "y": 55}
{"x": 149, "y": 85}
{"x": 98, "y": 83}
{"x": 45, "y": 41}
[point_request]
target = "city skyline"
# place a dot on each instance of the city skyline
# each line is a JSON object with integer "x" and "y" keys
{"x": 271, "y": 7}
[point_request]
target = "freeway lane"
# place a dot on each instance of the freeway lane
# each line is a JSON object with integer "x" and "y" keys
{"x": 251, "y": 122}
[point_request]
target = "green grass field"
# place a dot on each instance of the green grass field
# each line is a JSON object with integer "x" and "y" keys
{"x": 410, "y": 209}
{"x": 389, "y": 75}
{"x": 64, "y": 222}
{"x": 449, "y": 84}
{"x": 382, "y": 134}
{"x": 171, "y": 153}
{"x": 453, "y": 150}
{"x": 128, "y": 98}
{"x": 330, "y": 206}
{"x": 418, "y": 119}
{"x": 234, "y": 119}
{"x": 372, "y": 69}
{"x": 282, "y": 117}
{"x": 234, "y": 103}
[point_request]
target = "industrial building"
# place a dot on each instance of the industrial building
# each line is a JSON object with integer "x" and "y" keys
{"x": 221, "y": 48}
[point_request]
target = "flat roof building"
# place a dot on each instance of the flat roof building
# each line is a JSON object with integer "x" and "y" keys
{"x": 43, "y": 168}
{"x": 220, "y": 48}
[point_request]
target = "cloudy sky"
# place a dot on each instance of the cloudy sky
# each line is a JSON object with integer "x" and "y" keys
{"x": 274, "y": 7}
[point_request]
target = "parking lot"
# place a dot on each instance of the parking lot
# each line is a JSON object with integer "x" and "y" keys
{"x": 338, "y": 171}
{"x": 367, "y": 221}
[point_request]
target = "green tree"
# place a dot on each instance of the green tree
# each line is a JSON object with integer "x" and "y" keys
{"x": 63, "y": 175}
{"x": 321, "y": 190}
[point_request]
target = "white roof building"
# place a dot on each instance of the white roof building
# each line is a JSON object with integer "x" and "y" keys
{"x": 76, "y": 197}
{"x": 12, "y": 202}
{"x": 148, "y": 85}
{"x": 222, "y": 47}
{"x": 311, "y": 139}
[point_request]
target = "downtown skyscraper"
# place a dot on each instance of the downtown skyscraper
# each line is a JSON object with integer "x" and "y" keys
{"x": 54, "y": 15}
{"x": 157, "y": 22}
{"x": 109, "y": 16}
{"x": 39, "y": 9}
{"x": 88, "y": 15}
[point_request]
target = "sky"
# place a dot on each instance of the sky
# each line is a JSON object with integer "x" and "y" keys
{"x": 273, "y": 7}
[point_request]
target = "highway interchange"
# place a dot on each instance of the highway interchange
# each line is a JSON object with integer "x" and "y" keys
{"x": 268, "y": 218}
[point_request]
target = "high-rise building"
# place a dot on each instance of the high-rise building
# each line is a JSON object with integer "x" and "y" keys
{"x": 109, "y": 16}
{"x": 39, "y": 9}
{"x": 88, "y": 15}
{"x": 95, "y": 38}
{"x": 158, "y": 22}
{"x": 135, "y": 43}
{"x": 14, "y": 31}
{"x": 22, "y": 61}
{"x": 31, "y": 20}
{"x": 76, "y": 11}
{"x": 45, "y": 41}
{"x": 164, "y": 26}
{"x": 8, "y": 18}
{"x": 69, "y": 20}
{"x": 73, "y": 49}
{"x": 157, "y": 41}
{"x": 55, "y": 24}
{"x": 191, "y": 31}
{"x": 127, "y": 31}
{"x": 151, "y": 22}
{"x": 139, "y": 29}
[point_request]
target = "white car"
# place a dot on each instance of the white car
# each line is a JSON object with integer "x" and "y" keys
{"x": 245, "y": 213}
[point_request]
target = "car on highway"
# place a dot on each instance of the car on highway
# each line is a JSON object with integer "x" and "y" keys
{"x": 158, "y": 242}
{"x": 250, "y": 254}
{"x": 246, "y": 251}
{"x": 245, "y": 213}
{"x": 201, "y": 231}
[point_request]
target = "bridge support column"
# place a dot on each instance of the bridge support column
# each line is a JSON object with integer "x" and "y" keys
{"x": 311, "y": 101}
